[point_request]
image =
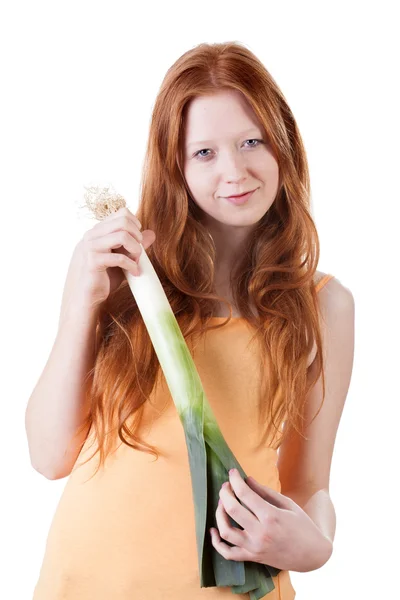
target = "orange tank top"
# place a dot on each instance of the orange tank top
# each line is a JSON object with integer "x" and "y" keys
{"x": 129, "y": 532}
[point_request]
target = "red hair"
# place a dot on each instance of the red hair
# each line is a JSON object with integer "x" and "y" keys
{"x": 276, "y": 273}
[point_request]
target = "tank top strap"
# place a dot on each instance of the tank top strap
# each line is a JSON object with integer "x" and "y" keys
{"x": 323, "y": 281}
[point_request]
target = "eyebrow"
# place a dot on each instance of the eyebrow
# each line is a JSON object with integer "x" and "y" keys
{"x": 201, "y": 142}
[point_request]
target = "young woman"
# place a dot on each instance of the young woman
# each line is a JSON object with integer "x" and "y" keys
{"x": 225, "y": 219}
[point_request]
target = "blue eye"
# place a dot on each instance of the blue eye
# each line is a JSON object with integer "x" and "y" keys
{"x": 202, "y": 156}
{"x": 253, "y": 140}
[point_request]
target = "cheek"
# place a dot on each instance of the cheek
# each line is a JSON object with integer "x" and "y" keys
{"x": 266, "y": 164}
{"x": 201, "y": 184}
{"x": 195, "y": 180}
{"x": 269, "y": 175}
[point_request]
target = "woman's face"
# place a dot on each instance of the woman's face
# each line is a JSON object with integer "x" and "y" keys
{"x": 222, "y": 158}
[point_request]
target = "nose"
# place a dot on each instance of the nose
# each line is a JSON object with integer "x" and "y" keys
{"x": 233, "y": 167}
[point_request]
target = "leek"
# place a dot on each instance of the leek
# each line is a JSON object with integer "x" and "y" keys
{"x": 210, "y": 457}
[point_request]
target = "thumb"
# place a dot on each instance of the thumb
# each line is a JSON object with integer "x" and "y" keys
{"x": 149, "y": 237}
{"x": 272, "y": 496}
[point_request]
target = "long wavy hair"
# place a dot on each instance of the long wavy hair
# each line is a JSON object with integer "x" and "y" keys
{"x": 275, "y": 274}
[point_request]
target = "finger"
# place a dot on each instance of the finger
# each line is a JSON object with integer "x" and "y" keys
{"x": 251, "y": 498}
{"x": 229, "y": 552}
{"x": 124, "y": 211}
{"x": 122, "y": 223}
{"x": 226, "y": 530}
{"x": 148, "y": 238}
{"x": 239, "y": 513}
{"x": 274, "y": 498}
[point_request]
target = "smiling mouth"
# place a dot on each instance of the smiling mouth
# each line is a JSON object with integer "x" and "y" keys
{"x": 240, "y": 195}
{"x": 241, "y": 200}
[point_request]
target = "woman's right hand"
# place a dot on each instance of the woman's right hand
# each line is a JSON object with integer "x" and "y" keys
{"x": 95, "y": 271}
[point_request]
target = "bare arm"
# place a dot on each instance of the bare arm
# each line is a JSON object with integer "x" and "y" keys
{"x": 58, "y": 404}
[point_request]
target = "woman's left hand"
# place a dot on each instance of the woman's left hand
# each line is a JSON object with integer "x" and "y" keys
{"x": 276, "y": 531}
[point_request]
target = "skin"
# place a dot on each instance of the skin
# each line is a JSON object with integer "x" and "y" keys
{"x": 230, "y": 162}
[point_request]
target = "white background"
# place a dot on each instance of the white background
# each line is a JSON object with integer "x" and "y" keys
{"x": 79, "y": 80}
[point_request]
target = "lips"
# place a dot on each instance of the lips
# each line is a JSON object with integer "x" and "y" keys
{"x": 240, "y": 195}
{"x": 242, "y": 199}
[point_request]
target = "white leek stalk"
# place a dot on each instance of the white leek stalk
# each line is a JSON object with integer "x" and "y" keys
{"x": 210, "y": 458}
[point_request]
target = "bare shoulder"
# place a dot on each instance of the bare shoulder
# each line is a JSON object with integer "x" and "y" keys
{"x": 334, "y": 294}
{"x": 336, "y": 303}
{"x": 318, "y": 275}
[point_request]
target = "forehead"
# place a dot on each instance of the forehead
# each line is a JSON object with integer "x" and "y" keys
{"x": 221, "y": 115}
